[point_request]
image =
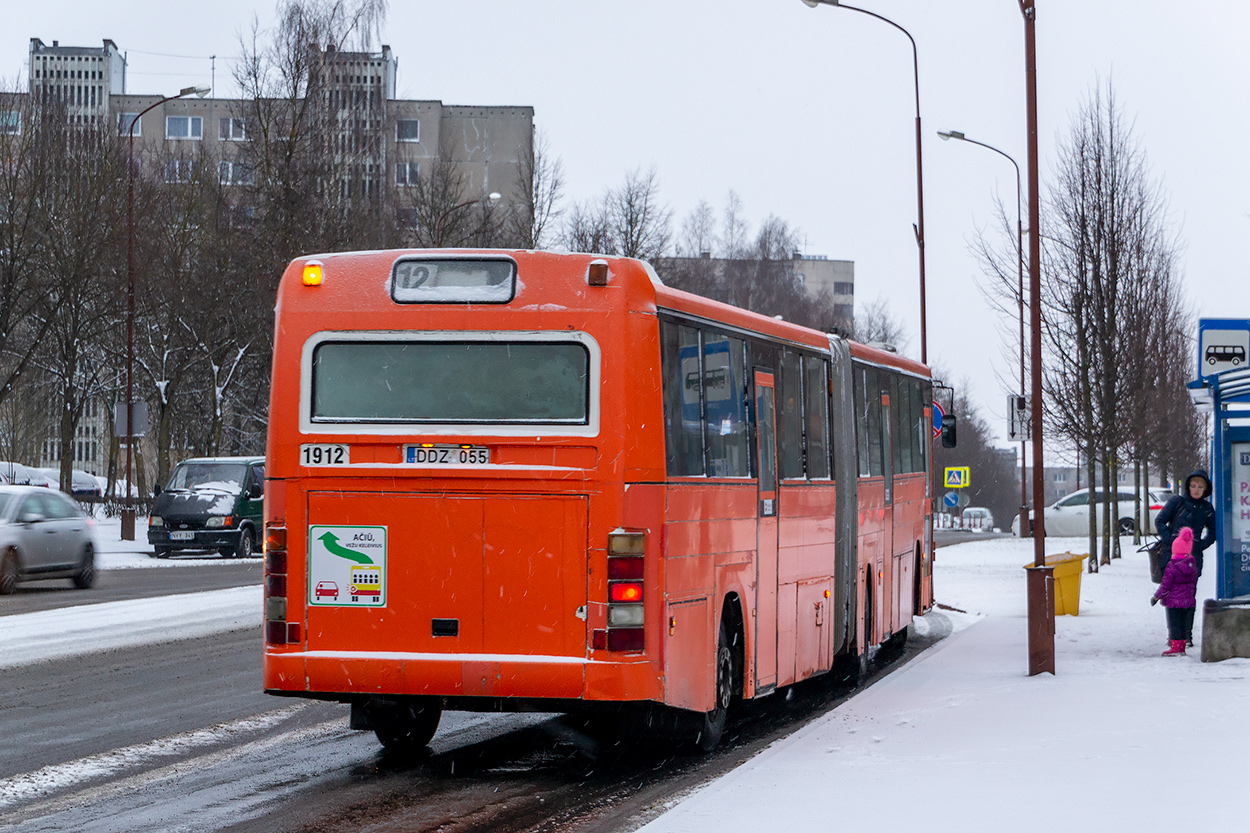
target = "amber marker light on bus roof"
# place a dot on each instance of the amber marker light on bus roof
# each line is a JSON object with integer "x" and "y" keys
{"x": 313, "y": 273}
{"x": 597, "y": 274}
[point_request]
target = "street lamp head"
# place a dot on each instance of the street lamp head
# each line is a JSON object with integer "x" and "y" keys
{"x": 951, "y": 134}
{"x": 494, "y": 196}
{"x": 200, "y": 90}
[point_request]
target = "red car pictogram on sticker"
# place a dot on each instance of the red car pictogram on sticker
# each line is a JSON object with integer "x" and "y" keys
{"x": 327, "y": 588}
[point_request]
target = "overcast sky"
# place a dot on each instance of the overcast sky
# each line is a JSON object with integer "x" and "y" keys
{"x": 805, "y": 113}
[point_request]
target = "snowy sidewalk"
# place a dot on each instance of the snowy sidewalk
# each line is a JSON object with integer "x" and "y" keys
{"x": 961, "y": 739}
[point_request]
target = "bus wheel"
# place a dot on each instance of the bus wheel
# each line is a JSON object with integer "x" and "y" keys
{"x": 713, "y": 723}
{"x": 406, "y": 726}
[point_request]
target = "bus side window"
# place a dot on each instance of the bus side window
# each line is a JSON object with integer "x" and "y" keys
{"x": 726, "y": 421}
{"x": 816, "y": 411}
{"x": 790, "y": 417}
{"x": 872, "y": 390}
{"x": 683, "y": 399}
{"x": 860, "y": 375}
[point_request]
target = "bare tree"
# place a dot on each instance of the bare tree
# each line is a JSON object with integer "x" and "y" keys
{"x": 540, "y": 180}
{"x": 1111, "y": 299}
{"x": 698, "y": 232}
{"x": 637, "y": 219}
{"x": 29, "y": 152}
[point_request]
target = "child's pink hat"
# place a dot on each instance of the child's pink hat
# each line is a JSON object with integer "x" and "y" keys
{"x": 1184, "y": 542}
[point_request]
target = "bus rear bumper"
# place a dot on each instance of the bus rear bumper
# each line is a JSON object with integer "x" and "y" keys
{"x": 351, "y": 673}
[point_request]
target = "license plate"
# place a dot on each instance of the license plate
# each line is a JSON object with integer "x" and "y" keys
{"x": 447, "y": 455}
{"x": 182, "y": 536}
{"x": 323, "y": 454}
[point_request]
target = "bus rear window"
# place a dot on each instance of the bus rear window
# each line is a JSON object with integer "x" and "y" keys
{"x": 451, "y": 382}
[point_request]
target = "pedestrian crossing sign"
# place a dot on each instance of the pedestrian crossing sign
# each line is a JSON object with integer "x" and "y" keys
{"x": 957, "y": 477}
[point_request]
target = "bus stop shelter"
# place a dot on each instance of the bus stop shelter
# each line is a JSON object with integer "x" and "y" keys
{"x": 1225, "y": 393}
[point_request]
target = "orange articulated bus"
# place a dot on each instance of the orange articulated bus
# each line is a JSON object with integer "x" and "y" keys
{"x": 514, "y": 480}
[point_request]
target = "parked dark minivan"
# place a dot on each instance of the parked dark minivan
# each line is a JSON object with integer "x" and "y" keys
{"x": 210, "y": 503}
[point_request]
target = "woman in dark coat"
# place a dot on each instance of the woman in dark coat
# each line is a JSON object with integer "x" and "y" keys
{"x": 1191, "y": 508}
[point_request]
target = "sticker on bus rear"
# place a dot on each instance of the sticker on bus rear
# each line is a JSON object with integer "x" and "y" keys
{"x": 347, "y": 566}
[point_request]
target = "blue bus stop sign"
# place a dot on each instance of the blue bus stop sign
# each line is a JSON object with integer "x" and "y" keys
{"x": 1223, "y": 344}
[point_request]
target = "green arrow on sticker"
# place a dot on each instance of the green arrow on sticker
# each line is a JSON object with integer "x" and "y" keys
{"x": 332, "y": 547}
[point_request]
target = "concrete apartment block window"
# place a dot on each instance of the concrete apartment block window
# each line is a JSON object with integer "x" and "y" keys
{"x": 232, "y": 130}
{"x": 406, "y": 173}
{"x": 844, "y": 310}
{"x": 407, "y": 130}
{"x": 10, "y": 122}
{"x": 843, "y": 288}
{"x": 234, "y": 173}
{"x": 123, "y": 122}
{"x": 179, "y": 170}
{"x": 184, "y": 127}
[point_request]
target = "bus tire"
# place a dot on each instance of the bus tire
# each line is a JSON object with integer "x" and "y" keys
{"x": 408, "y": 725}
{"x": 712, "y": 726}
{"x": 85, "y": 577}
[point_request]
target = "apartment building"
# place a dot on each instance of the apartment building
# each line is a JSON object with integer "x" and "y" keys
{"x": 380, "y": 143}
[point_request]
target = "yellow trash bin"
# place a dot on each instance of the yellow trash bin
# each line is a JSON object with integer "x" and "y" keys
{"x": 1068, "y": 568}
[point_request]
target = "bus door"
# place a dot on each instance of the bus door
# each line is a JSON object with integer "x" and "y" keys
{"x": 766, "y": 535}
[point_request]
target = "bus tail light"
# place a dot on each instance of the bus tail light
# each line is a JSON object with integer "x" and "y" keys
{"x": 278, "y": 631}
{"x": 626, "y": 608}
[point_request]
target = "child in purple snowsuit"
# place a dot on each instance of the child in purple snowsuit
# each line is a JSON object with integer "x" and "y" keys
{"x": 1179, "y": 593}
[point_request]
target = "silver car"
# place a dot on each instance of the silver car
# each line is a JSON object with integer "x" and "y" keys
{"x": 43, "y": 535}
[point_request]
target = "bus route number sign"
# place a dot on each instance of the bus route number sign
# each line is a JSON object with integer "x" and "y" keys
{"x": 346, "y": 566}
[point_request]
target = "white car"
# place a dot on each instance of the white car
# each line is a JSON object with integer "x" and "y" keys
{"x": 1068, "y": 517}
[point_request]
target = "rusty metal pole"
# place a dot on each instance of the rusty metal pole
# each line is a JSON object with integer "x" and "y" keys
{"x": 1040, "y": 577}
{"x": 128, "y": 509}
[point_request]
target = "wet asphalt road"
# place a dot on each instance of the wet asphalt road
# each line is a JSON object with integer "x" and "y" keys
{"x": 179, "y": 736}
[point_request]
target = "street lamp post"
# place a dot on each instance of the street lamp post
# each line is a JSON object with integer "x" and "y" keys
{"x": 1024, "y": 490}
{"x": 128, "y": 508}
{"x": 1041, "y": 608}
{"x": 919, "y": 227}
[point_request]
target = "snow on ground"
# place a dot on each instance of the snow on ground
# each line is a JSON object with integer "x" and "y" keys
{"x": 73, "y": 631}
{"x": 961, "y": 739}
{"x": 112, "y": 553}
